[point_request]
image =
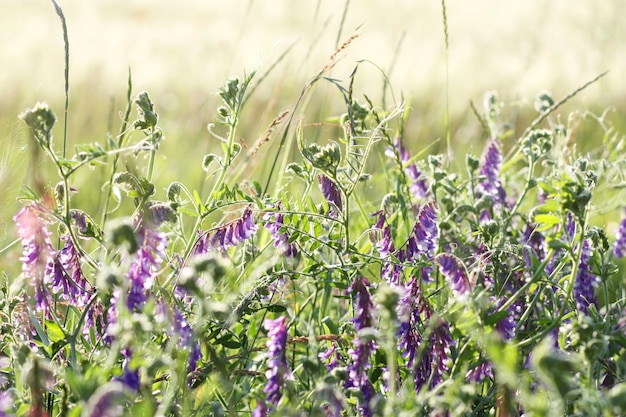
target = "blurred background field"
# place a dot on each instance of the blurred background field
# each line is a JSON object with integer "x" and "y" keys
{"x": 182, "y": 52}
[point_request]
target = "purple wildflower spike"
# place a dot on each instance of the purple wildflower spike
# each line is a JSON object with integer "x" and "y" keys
{"x": 418, "y": 186}
{"x": 274, "y": 222}
{"x": 184, "y": 332}
{"x": 277, "y": 366}
{"x": 357, "y": 369}
{"x": 479, "y": 373}
{"x": 71, "y": 280}
{"x": 330, "y": 191}
{"x": 490, "y": 169}
{"x": 38, "y": 253}
{"x": 143, "y": 269}
{"x": 410, "y": 309}
{"x": 331, "y": 358}
{"x": 619, "y": 249}
{"x": 390, "y": 271}
{"x": 506, "y": 326}
{"x": 440, "y": 342}
{"x": 6, "y": 404}
{"x": 535, "y": 241}
{"x": 129, "y": 377}
{"x": 585, "y": 281}
{"x": 228, "y": 235}
{"x": 454, "y": 272}
{"x": 260, "y": 409}
{"x": 424, "y": 239}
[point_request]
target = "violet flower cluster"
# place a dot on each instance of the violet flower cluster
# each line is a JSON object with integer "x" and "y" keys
{"x": 422, "y": 244}
{"x": 38, "y": 253}
{"x": 454, "y": 272}
{"x": 619, "y": 248}
{"x": 491, "y": 163}
{"x": 228, "y": 235}
{"x": 274, "y": 223}
{"x": 357, "y": 369}
{"x": 418, "y": 186}
{"x": 331, "y": 193}
{"x": 277, "y": 366}
{"x": 415, "y": 314}
{"x": 144, "y": 267}
{"x": 585, "y": 281}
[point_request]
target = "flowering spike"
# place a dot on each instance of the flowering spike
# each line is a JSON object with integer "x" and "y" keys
{"x": 418, "y": 186}
{"x": 228, "y": 235}
{"x": 277, "y": 367}
{"x": 330, "y": 191}
{"x": 38, "y": 253}
{"x": 585, "y": 281}
{"x": 357, "y": 369}
{"x": 490, "y": 170}
{"x": 274, "y": 222}
{"x": 454, "y": 272}
{"x": 619, "y": 249}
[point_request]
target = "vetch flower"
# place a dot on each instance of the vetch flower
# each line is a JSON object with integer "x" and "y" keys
{"x": 410, "y": 310}
{"x": 277, "y": 367}
{"x": 418, "y": 186}
{"x": 274, "y": 223}
{"x": 38, "y": 253}
{"x": 585, "y": 281}
{"x": 619, "y": 248}
{"x": 69, "y": 276}
{"x": 490, "y": 167}
{"x": 480, "y": 372}
{"x": 129, "y": 377}
{"x": 145, "y": 265}
{"x": 391, "y": 271}
{"x": 228, "y": 235}
{"x": 260, "y": 410}
{"x": 454, "y": 272}
{"x": 357, "y": 369}
{"x": 330, "y": 191}
{"x": 424, "y": 239}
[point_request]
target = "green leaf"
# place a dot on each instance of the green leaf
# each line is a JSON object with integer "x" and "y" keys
{"x": 547, "y": 221}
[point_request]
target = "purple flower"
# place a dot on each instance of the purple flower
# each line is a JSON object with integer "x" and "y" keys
{"x": 454, "y": 272}
{"x": 145, "y": 265}
{"x": 391, "y": 271}
{"x": 331, "y": 358}
{"x": 434, "y": 361}
{"x": 425, "y": 236}
{"x": 440, "y": 342}
{"x": 69, "y": 276}
{"x": 6, "y": 404}
{"x": 38, "y": 253}
{"x": 410, "y": 310}
{"x": 506, "y": 326}
{"x": 585, "y": 281}
{"x": 260, "y": 409}
{"x": 491, "y": 164}
{"x": 129, "y": 377}
{"x": 277, "y": 366}
{"x": 228, "y": 235}
{"x": 274, "y": 223}
{"x": 357, "y": 369}
{"x": 330, "y": 191}
{"x": 479, "y": 373}
{"x": 619, "y": 249}
{"x": 418, "y": 186}
{"x": 184, "y": 332}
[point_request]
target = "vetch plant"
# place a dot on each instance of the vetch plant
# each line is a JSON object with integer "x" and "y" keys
{"x": 362, "y": 281}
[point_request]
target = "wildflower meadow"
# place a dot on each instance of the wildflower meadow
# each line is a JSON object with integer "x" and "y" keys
{"x": 361, "y": 275}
